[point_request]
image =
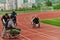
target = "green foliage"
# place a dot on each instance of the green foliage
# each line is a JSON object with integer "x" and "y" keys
{"x": 56, "y": 6}
{"x": 34, "y": 7}
{"x": 30, "y": 8}
{"x": 15, "y": 31}
{"x": 48, "y": 3}
{"x": 20, "y": 9}
{"x": 55, "y": 22}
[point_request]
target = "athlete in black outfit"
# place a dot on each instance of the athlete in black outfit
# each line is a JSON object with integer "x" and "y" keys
{"x": 4, "y": 20}
{"x": 14, "y": 14}
{"x": 36, "y": 21}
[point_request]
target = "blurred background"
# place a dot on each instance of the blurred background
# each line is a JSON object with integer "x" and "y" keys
{"x": 29, "y": 5}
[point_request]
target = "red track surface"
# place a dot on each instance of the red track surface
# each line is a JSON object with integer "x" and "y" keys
{"x": 46, "y": 32}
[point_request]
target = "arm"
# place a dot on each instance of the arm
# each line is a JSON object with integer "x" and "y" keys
{"x": 13, "y": 25}
{"x": 32, "y": 21}
{"x": 3, "y": 21}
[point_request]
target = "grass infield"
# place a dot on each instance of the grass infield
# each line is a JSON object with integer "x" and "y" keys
{"x": 55, "y": 21}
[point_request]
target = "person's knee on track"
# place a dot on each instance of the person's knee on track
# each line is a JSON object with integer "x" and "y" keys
{"x": 35, "y": 22}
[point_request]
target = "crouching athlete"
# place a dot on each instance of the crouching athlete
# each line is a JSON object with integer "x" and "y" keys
{"x": 8, "y": 24}
{"x": 35, "y": 22}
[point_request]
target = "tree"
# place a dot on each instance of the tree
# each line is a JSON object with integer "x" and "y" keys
{"x": 33, "y": 5}
{"x": 48, "y": 3}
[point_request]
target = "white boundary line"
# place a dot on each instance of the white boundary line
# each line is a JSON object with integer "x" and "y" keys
{"x": 45, "y": 35}
{"x": 41, "y": 33}
{"x": 25, "y": 37}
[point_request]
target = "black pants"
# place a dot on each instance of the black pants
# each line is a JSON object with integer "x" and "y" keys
{"x": 14, "y": 20}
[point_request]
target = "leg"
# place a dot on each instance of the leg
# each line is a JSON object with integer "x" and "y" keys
{"x": 15, "y": 21}
{"x": 33, "y": 24}
{"x": 39, "y": 25}
{"x": 3, "y": 32}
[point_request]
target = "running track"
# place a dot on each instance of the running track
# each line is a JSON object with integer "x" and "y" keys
{"x": 46, "y": 32}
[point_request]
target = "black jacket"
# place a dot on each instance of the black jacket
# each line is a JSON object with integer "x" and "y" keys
{"x": 5, "y": 19}
{"x": 36, "y": 20}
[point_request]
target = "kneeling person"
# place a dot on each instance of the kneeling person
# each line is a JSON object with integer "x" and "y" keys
{"x": 13, "y": 30}
{"x": 10, "y": 23}
{"x": 35, "y": 22}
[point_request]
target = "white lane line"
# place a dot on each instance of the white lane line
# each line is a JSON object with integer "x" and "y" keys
{"x": 40, "y": 34}
{"x": 25, "y": 37}
{"x": 46, "y": 35}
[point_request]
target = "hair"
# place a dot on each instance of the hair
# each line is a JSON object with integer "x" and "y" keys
{"x": 6, "y": 14}
{"x": 11, "y": 17}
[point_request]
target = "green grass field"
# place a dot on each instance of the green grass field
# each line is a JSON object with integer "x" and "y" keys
{"x": 55, "y": 21}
